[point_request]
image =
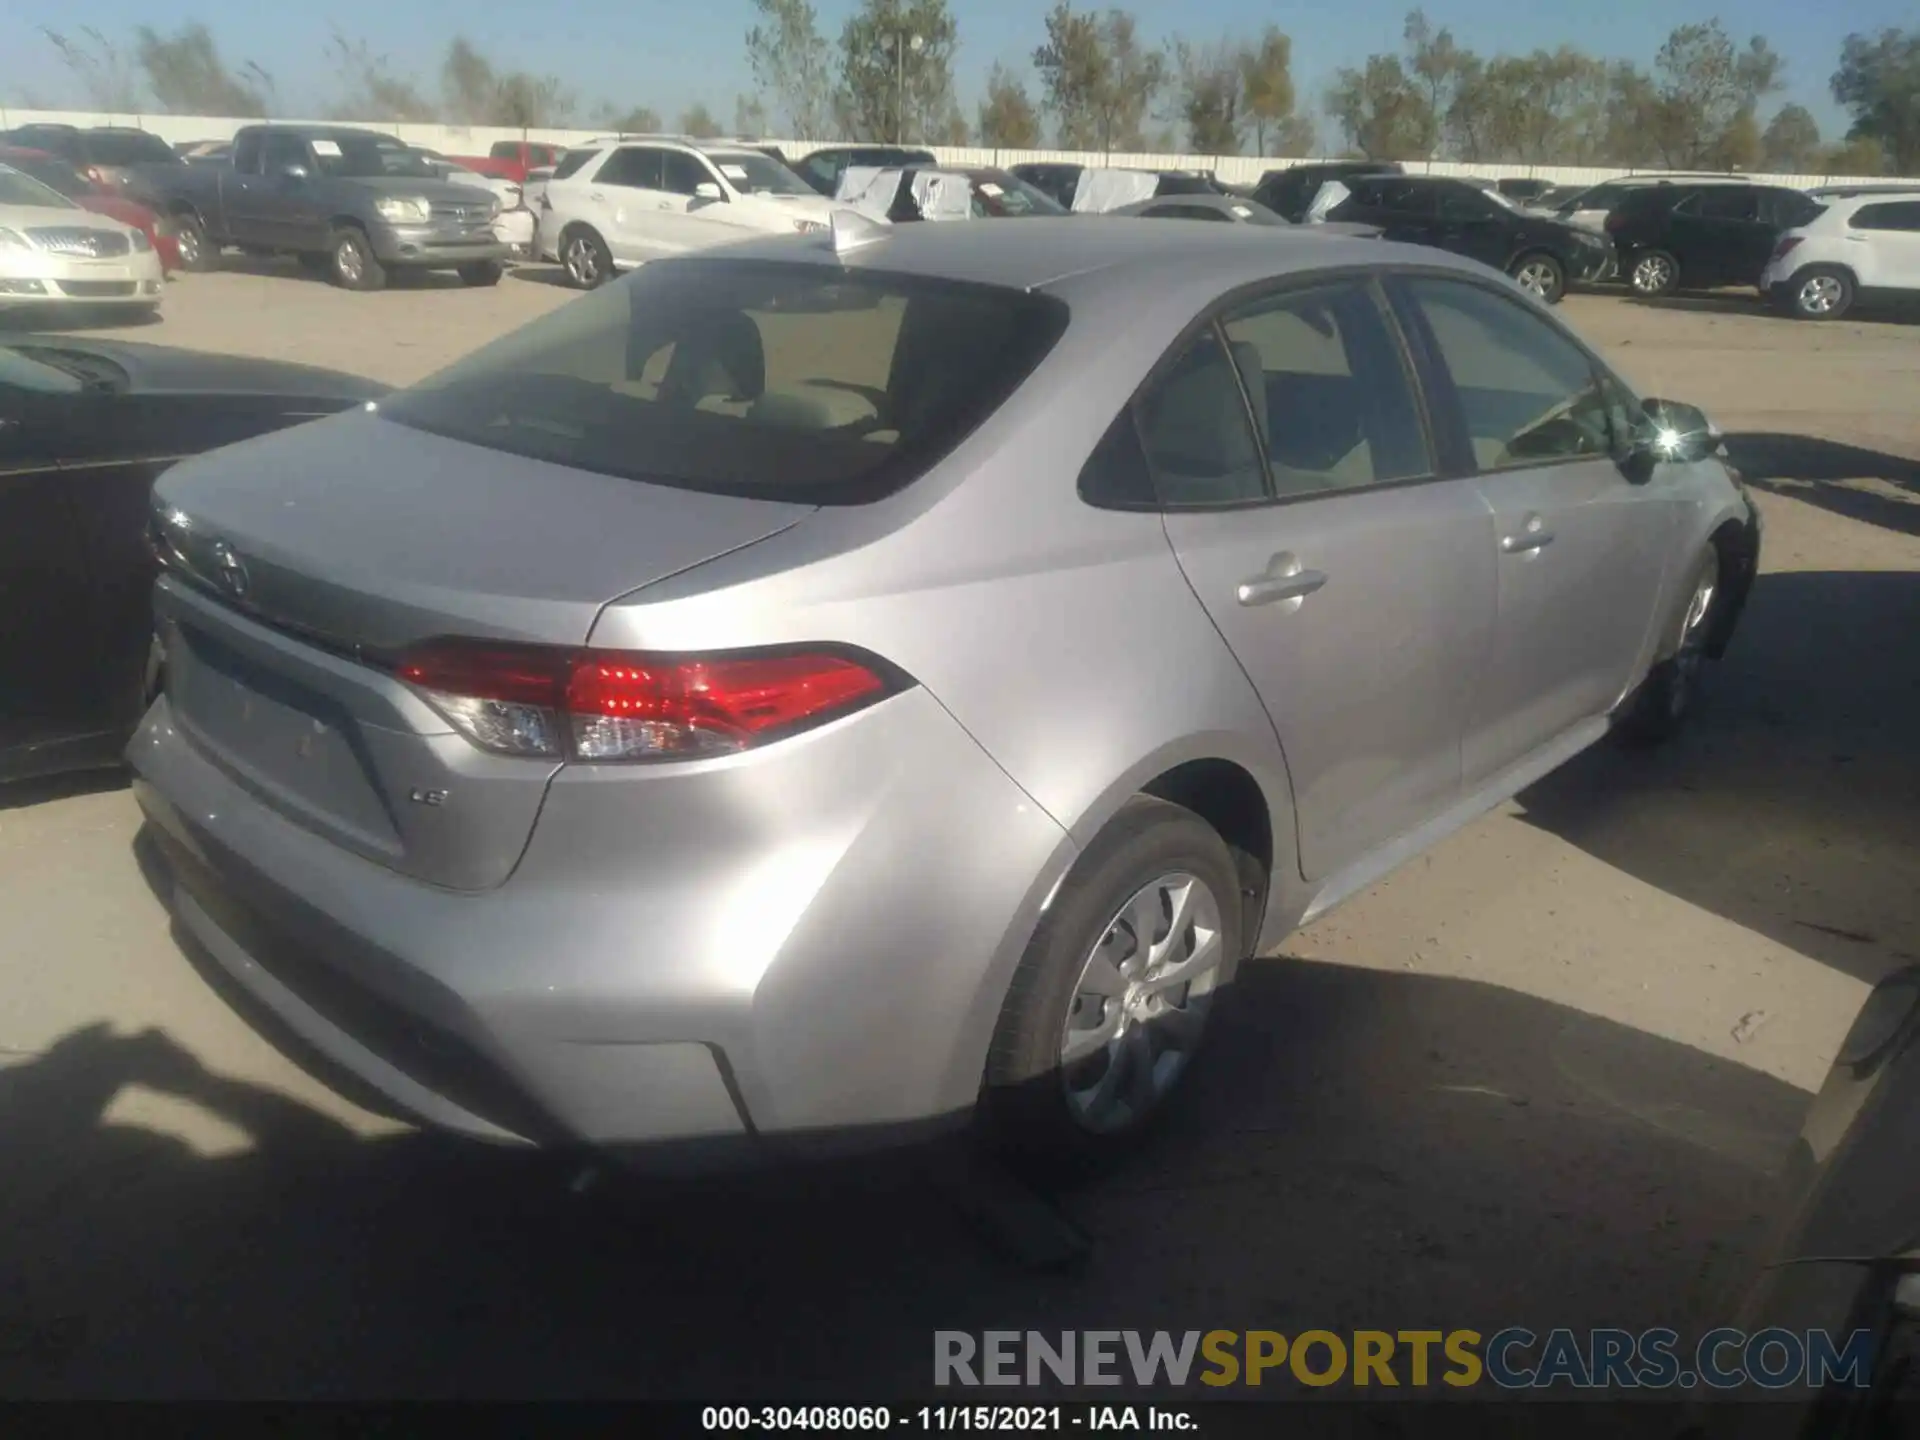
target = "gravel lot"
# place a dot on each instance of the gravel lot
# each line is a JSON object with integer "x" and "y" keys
{"x": 1542, "y": 1076}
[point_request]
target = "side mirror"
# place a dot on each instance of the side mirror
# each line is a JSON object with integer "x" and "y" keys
{"x": 293, "y": 172}
{"x": 707, "y": 190}
{"x": 1674, "y": 433}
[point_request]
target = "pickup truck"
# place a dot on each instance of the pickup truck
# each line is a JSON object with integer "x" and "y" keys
{"x": 512, "y": 159}
{"x": 351, "y": 204}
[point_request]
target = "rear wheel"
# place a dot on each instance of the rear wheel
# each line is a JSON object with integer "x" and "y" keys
{"x": 190, "y": 236}
{"x": 1541, "y": 276}
{"x": 1653, "y": 273}
{"x": 352, "y": 263}
{"x": 1110, "y": 1002}
{"x": 585, "y": 257}
{"x": 1666, "y": 697}
{"x": 482, "y": 272}
{"x": 1822, "y": 292}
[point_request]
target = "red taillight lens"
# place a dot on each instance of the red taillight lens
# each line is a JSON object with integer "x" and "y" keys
{"x": 1785, "y": 247}
{"x": 614, "y": 705}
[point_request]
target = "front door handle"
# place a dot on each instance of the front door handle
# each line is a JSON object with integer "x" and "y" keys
{"x": 1526, "y": 541}
{"x": 1283, "y": 579}
{"x": 596, "y": 196}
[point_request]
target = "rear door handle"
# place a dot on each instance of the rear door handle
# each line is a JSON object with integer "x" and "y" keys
{"x": 1283, "y": 580}
{"x": 1527, "y": 540}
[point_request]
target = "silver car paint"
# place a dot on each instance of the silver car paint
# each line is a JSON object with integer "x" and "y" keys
{"x": 822, "y": 932}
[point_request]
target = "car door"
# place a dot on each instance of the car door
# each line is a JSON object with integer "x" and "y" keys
{"x": 1581, "y": 551}
{"x": 1298, "y": 488}
{"x": 1474, "y": 226}
{"x": 47, "y": 683}
{"x": 632, "y": 211}
{"x": 1404, "y": 210}
{"x": 693, "y": 221}
{"x": 1890, "y": 256}
{"x": 1722, "y": 237}
{"x": 274, "y": 207}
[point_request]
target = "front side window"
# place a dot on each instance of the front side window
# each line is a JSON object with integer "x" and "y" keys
{"x": 1526, "y": 393}
{"x": 285, "y": 150}
{"x": 1330, "y": 391}
{"x": 246, "y": 152}
{"x": 1197, "y": 432}
{"x": 633, "y": 167}
{"x": 785, "y": 381}
{"x": 682, "y": 174}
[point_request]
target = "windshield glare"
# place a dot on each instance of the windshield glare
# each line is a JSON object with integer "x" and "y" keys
{"x": 369, "y": 159}
{"x": 752, "y": 173}
{"x": 18, "y": 189}
{"x": 17, "y": 372}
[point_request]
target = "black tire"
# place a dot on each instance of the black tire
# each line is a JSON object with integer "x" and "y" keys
{"x": 481, "y": 273}
{"x": 584, "y": 257}
{"x": 350, "y": 261}
{"x": 1653, "y": 273}
{"x": 1540, "y": 275}
{"x": 1820, "y": 292}
{"x": 1028, "y": 1111}
{"x": 1666, "y": 698}
{"x": 197, "y": 253}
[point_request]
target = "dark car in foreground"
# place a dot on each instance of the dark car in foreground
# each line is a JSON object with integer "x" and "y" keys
{"x": 85, "y": 425}
{"x": 1542, "y": 254}
{"x": 1701, "y": 234}
{"x": 349, "y": 204}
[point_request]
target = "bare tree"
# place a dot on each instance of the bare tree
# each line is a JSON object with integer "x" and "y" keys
{"x": 187, "y": 76}
{"x": 105, "y": 73}
{"x": 698, "y": 122}
{"x": 369, "y": 90}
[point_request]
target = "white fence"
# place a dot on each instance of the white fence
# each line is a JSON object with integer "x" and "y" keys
{"x": 476, "y": 139}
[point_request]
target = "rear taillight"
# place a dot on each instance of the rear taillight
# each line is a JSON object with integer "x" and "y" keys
{"x": 607, "y": 705}
{"x": 1785, "y": 247}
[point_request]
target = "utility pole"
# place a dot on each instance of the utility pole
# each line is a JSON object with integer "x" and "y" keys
{"x": 902, "y": 42}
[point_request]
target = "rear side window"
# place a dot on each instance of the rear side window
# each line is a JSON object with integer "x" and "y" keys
{"x": 634, "y": 166}
{"x": 121, "y": 147}
{"x": 1724, "y": 202}
{"x": 1330, "y": 392}
{"x": 571, "y": 162}
{"x": 784, "y": 381}
{"x": 1901, "y": 215}
{"x": 1527, "y": 394}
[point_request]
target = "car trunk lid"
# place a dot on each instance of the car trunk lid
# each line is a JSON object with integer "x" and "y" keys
{"x": 301, "y": 566}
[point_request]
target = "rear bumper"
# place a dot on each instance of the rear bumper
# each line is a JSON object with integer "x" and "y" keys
{"x": 813, "y": 955}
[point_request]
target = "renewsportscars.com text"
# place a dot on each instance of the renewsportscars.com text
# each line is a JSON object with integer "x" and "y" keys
{"x": 1510, "y": 1359}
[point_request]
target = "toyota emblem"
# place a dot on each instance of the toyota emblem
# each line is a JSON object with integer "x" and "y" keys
{"x": 229, "y": 570}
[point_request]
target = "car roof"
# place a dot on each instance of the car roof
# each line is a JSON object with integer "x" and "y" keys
{"x": 1098, "y": 252}
{"x": 1848, "y": 192}
{"x": 1227, "y": 204}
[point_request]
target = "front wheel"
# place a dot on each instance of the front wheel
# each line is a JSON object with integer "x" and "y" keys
{"x": 585, "y": 258}
{"x": 1654, "y": 273}
{"x": 1110, "y": 1003}
{"x": 352, "y": 262}
{"x": 1541, "y": 276}
{"x": 1822, "y": 292}
{"x": 197, "y": 253}
{"x": 1667, "y": 696}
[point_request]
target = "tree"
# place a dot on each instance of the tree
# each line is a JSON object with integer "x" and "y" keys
{"x": 789, "y": 60}
{"x": 1266, "y": 85}
{"x": 1879, "y": 83}
{"x": 1211, "y": 101}
{"x": 187, "y": 77}
{"x": 369, "y": 89}
{"x": 102, "y": 68}
{"x": 1008, "y": 120}
{"x": 1380, "y": 111}
{"x": 1435, "y": 66}
{"x": 1861, "y": 155}
{"x": 698, "y": 122}
{"x": 477, "y": 94}
{"x": 749, "y": 116}
{"x": 1098, "y": 79}
{"x": 891, "y": 88}
{"x": 1705, "y": 86}
{"x": 1790, "y": 144}
{"x": 1295, "y": 137}
{"x": 635, "y": 120}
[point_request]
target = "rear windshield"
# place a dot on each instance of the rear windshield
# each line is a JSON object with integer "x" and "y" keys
{"x": 794, "y": 382}
{"x": 135, "y": 148}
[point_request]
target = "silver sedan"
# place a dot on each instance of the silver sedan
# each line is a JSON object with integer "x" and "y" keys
{"x": 846, "y": 685}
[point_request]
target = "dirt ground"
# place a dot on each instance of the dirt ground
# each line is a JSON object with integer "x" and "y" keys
{"x": 1545, "y": 1075}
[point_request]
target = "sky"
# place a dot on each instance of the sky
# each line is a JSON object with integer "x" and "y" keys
{"x": 667, "y": 55}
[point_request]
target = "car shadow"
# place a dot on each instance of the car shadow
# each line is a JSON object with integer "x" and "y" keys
{"x": 1816, "y": 470}
{"x": 21, "y": 794}
{"x": 1804, "y": 746}
{"x": 74, "y": 316}
{"x": 1359, "y": 1149}
{"x": 285, "y": 267}
{"x": 540, "y": 274}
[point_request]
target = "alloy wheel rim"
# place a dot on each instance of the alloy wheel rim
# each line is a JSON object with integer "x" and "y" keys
{"x": 1141, "y": 1002}
{"x": 1650, "y": 274}
{"x": 1536, "y": 279}
{"x": 1820, "y": 294}
{"x": 582, "y": 263}
{"x": 187, "y": 241}
{"x": 1691, "y": 656}
{"x": 347, "y": 259}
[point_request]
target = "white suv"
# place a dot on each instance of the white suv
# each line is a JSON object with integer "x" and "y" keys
{"x": 1865, "y": 243}
{"x": 623, "y": 202}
